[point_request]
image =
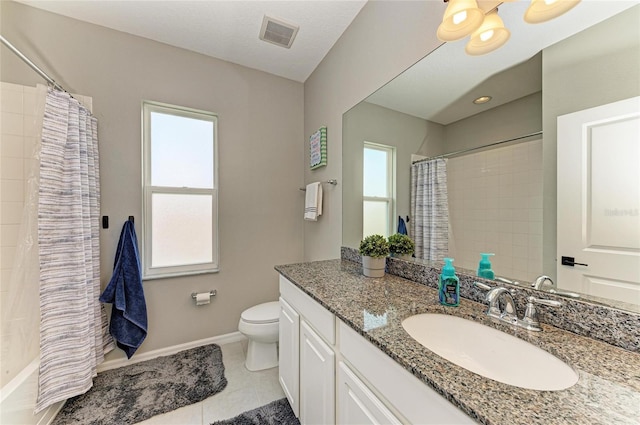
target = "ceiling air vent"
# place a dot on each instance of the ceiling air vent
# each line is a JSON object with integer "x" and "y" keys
{"x": 278, "y": 32}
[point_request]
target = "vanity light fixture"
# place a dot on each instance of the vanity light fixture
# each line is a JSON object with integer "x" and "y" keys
{"x": 488, "y": 33}
{"x": 461, "y": 18}
{"x": 491, "y": 35}
{"x": 482, "y": 99}
{"x": 544, "y": 10}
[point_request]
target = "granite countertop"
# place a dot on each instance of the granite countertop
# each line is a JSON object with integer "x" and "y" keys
{"x": 607, "y": 392}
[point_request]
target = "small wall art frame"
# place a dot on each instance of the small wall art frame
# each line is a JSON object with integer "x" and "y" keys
{"x": 318, "y": 148}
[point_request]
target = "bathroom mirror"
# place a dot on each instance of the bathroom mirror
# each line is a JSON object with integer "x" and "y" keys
{"x": 427, "y": 111}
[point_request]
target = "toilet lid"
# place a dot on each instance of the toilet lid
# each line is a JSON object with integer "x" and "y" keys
{"x": 262, "y": 313}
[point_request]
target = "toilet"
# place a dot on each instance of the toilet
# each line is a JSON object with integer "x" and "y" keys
{"x": 260, "y": 325}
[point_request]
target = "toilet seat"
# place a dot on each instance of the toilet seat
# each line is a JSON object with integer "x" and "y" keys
{"x": 262, "y": 313}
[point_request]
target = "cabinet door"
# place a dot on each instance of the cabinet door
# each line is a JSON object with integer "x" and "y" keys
{"x": 289, "y": 346}
{"x": 317, "y": 379}
{"x": 357, "y": 404}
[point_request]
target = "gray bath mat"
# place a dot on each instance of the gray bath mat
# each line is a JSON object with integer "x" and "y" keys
{"x": 134, "y": 393}
{"x": 275, "y": 413}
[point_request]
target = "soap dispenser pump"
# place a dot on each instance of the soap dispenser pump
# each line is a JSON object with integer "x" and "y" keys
{"x": 484, "y": 267}
{"x": 449, "y": 285}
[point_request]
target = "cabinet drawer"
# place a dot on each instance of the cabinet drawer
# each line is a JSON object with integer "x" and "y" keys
{"x": 414, "y": 399}
{"x": 358, "y": 405}
{"x": 321, "y": 319}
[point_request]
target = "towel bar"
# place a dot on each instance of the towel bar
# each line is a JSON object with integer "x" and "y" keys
{"x": 331, "y": 181}
{"x": 213, "y": 293}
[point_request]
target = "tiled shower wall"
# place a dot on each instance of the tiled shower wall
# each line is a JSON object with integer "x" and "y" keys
{"x": 495, "y": 206}
{"x": 20, "y": 311}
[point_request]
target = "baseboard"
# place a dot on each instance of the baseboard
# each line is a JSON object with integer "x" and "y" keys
{"x": 167, "y": 351}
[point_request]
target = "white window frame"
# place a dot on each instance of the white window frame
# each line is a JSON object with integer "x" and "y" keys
{"x": 149, "y": 272}
{"x": 390, "y": 200}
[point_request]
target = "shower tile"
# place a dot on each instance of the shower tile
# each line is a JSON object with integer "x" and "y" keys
{"x": 12, "y": 190}
{"x": 9, "y": 234}
{"x": 28, "y": 147}
{"x": 11, "y": 168}
{"x": 11, "y": 101}
{"x": 29, "y": 102}
{"x": 11, "y": 146}
{"x": 7, "y": 257}
{"x": 30, "y": 128}
{"x": 10, "y": 86}
{"x": 12, "y": 123}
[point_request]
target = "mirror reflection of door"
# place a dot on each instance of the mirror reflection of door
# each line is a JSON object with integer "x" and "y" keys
{"x": 599, "y": 200}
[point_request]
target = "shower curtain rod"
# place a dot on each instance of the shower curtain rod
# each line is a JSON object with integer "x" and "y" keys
{"x": 447, "y": 155}
{"x": 31, "y": 64}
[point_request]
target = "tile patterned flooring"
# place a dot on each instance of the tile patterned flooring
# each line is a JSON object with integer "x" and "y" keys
{"x": 245, "y": 391}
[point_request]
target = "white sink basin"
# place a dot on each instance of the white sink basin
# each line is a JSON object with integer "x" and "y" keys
{"x": 490, "y": 352}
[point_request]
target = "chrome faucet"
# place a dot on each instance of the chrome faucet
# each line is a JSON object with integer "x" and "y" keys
{"x": 551, "y": 288}
{"x": 509, "y": 315}
{"x": 540, "y": 280}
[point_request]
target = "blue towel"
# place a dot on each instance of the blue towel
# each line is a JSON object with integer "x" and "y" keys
{"x": 402, "y": 228}
{"x": 128, "y": 324}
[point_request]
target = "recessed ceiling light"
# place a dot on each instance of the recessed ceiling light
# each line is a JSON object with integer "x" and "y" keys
{"x": 482, "y": 99}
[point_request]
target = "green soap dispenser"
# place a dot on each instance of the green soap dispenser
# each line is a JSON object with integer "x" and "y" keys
{"x": 449, "y": 285}
{"x": 484, "y": 268}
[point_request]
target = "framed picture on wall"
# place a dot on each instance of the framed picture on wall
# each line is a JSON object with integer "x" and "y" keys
{"x": 318, "y": 148}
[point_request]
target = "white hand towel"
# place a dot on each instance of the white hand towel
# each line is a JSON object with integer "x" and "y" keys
{"x": 313, "y": 201}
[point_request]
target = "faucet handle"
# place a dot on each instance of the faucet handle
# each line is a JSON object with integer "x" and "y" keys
{"x": 482, "y": 286}
{"x": 550, "y": 303}
{"x": 530, "y": 320}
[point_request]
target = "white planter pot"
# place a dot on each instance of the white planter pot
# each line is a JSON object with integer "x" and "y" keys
{"x": 373, "y": 267}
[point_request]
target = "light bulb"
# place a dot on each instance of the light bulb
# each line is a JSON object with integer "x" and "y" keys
{"x": 491, "y": 35}
{"x": 486, "y": 35}
{"x": 461, "y": 18}
{"x": 544, "y": 10}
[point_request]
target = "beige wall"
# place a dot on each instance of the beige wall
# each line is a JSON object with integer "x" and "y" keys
{"x": 260, "y": 156}
{"x": 373, "y": 123}
{"x": 570, "y": 84}
{"x": 383, "y": 40}
{"x": 513, "y": 119}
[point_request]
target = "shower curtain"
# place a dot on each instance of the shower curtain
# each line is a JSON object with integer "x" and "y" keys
{"x": 430, "y": 209}
{"x": 73, "y": 325}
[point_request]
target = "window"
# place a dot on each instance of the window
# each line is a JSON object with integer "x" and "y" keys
{"x": 378, "y": 189}
{"x": 180, "y": 189}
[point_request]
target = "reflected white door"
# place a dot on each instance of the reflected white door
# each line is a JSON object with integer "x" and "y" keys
{"x": 599, "y": 200}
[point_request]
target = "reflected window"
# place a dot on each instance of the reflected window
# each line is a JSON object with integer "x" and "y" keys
{"x": 378, "y": 189}
{"x": 180, "y": 234}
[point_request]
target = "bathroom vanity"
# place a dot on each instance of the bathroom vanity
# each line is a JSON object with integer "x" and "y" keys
{"x": 345, "y": 358}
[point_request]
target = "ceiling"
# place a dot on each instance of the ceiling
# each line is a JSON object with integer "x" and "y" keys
{"x": 441, "y": 86}
{"x": 226, "y": 30}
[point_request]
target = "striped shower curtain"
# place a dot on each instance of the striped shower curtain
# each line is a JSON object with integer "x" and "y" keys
{"x": 430, "y": 209}
{"x": 73, "y": 325}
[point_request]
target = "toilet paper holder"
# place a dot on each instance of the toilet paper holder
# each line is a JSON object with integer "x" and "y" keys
{"x": 212, "y": 293}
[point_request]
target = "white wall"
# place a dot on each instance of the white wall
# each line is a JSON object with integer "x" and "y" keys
{"x": 383, "y": 40}
{"x": 260, "y": 157}
{"x": 573, "y": 79}
{"x": 373, "y": 123}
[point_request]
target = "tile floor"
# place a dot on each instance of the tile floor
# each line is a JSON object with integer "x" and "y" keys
{"x": 245, "y": 391}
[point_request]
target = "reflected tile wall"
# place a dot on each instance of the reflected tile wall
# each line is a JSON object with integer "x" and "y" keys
{"x": 495, "y": 206}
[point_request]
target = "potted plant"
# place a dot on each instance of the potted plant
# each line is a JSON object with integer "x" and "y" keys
{"x": 401, "y": 246}
{"x": 374, "y": 249}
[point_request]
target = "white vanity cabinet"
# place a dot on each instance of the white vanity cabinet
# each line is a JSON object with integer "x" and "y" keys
{"x": 289, "y": 359}
{"x": 317, "y": 378}
{"x": 307, "y": 355}
{"x": 332, "y": 375}
{"x": 357, "y": 404}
